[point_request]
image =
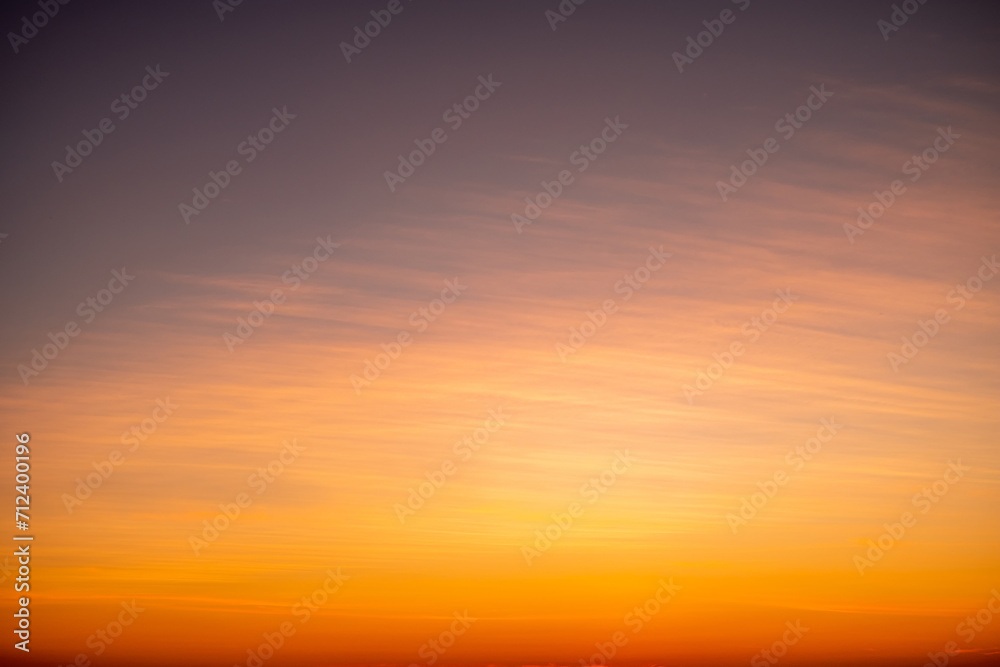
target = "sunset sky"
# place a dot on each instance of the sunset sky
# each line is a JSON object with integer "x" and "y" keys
{"x": 726, "y": 394}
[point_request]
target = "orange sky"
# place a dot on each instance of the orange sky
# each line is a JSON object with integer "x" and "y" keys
{"x": 334, "y": 505}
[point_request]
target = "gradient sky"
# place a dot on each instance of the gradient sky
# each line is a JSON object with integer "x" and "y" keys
{"x": 495, "y": 346}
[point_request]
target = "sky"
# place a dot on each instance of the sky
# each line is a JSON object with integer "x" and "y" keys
{"x": 511, "y": 333}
